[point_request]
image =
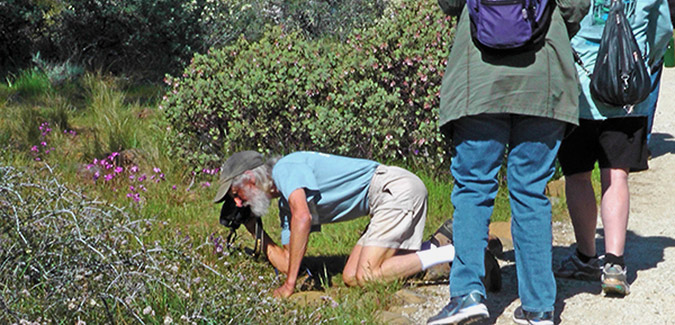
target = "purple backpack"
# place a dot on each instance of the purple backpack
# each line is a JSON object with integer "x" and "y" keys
{"x": 509, "y": 24}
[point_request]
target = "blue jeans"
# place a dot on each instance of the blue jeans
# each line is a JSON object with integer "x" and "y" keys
{"x": 653, "y": 98}
{"x": 480, "y": 142}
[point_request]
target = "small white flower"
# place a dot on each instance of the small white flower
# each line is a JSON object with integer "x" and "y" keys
{"x": 148, "y": 311}
{"x": 168, "y": 320}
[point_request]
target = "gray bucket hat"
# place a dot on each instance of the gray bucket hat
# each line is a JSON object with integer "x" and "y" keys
{"x": 236, "y": 165}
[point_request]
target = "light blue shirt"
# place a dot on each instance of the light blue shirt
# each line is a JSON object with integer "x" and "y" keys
{"x": 336, "y": 187}
{"x": 651, "y": 25}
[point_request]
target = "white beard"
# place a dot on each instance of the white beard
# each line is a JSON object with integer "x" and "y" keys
{"x": 259, "y": 202}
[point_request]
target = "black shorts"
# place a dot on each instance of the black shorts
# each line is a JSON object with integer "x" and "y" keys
{"x": 613, "y": 143}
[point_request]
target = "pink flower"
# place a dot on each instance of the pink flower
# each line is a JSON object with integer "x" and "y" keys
{"x": 157, "y": 170}
{"x": 96, "y": 175}
{"x": 34, "y": 149}
{"x": 134, "y": 169}
{"x": 44, "y": 144}
{"x": 108, "y": 177}
{"x": 173, "y": 187}
{"x": 142, "y": 178}
{"x": 206, "y": 184}
{"x": 118, "y": 170}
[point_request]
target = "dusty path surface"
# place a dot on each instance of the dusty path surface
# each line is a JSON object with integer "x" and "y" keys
{"x": 650, "y": 251}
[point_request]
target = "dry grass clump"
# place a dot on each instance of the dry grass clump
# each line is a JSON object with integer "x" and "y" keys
{"x": 69, "y": 258}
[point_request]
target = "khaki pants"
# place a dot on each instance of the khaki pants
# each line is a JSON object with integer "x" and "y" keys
{"x": 398, "y": 209}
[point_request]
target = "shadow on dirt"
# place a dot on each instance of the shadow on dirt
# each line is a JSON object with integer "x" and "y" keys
{"x": 661, "y": 144}
{"x": 642, "y": 253}
{"x": 316, "y": 272}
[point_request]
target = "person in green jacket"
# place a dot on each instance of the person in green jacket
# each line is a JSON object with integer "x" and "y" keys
{"x": 515, "y": 102}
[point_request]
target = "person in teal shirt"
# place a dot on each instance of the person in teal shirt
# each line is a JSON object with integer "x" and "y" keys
{"x": 316, "y": 188}
{"x": 615, "y": 139}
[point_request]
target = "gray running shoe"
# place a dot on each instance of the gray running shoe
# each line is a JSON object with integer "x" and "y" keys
{"x": 614, "y": 280}
{"x": 574, "y": 268}
{"x": 521, "y": 316}
{"x": 462, "y": 310}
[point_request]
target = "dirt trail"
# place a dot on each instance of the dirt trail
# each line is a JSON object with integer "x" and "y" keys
{"x": 650, "y": 251}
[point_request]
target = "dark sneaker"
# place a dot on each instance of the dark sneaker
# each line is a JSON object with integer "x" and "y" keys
{"x": 443, "y": 235}
{"x": 521, "y": 316}
{"x": 493, "y": 273}
{"x": 574, "y": 268}
{"x": 462, "y": 310}
{"x": 614, "y": 280}
{"x": 495, "y": 246}
{"x": 439, "y": 273}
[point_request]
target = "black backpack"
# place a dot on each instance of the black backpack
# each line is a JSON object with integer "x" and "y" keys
{"x": 620, "y": 77}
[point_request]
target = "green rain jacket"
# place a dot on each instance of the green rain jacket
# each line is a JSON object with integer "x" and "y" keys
{"x": 541, "y": 82}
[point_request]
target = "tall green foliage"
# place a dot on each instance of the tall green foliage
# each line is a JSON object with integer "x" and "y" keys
{"x": 373, "y": 96}
{"x": 19, "y": 22}
{"x": 124, "y": 36}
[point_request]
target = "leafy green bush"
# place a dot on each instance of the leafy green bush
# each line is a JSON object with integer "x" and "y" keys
{"x": 374, "y": 95}
{"x": 20, "y": 21}
{"x": 140, "y": 37}
{"x": 225, "y": 21}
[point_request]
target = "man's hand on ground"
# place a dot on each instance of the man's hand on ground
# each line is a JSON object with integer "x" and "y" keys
{"x": 284, "y": 291}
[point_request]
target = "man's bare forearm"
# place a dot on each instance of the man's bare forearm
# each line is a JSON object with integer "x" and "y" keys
{"x": 276, "y": 255}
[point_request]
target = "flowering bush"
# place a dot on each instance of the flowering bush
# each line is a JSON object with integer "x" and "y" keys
{"x": 373, "y": 96}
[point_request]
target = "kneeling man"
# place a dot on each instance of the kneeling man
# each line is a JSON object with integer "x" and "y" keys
{"x": 316, "y": 188}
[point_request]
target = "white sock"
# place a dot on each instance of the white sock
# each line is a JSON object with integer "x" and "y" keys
{"x": 436, "y": 255}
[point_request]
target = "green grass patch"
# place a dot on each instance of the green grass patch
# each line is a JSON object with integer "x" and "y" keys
{"x": 29, "y": 84}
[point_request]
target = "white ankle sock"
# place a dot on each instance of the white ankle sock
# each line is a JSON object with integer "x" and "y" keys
{"x": 436, "y": 255}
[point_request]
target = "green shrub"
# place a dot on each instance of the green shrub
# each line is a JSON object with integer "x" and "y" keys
{"x": 138, "y": 37}
{"x": 20, "y": 23}
{"x": 225, "y": 21}
{"x": 58, "y": 73}
{"x": 374, "y": 95}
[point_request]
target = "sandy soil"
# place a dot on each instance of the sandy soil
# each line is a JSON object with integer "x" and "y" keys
{"x": 650, "y": 251}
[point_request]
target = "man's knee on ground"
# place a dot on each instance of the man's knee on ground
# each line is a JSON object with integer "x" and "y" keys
{"x": 365, "y": 274}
